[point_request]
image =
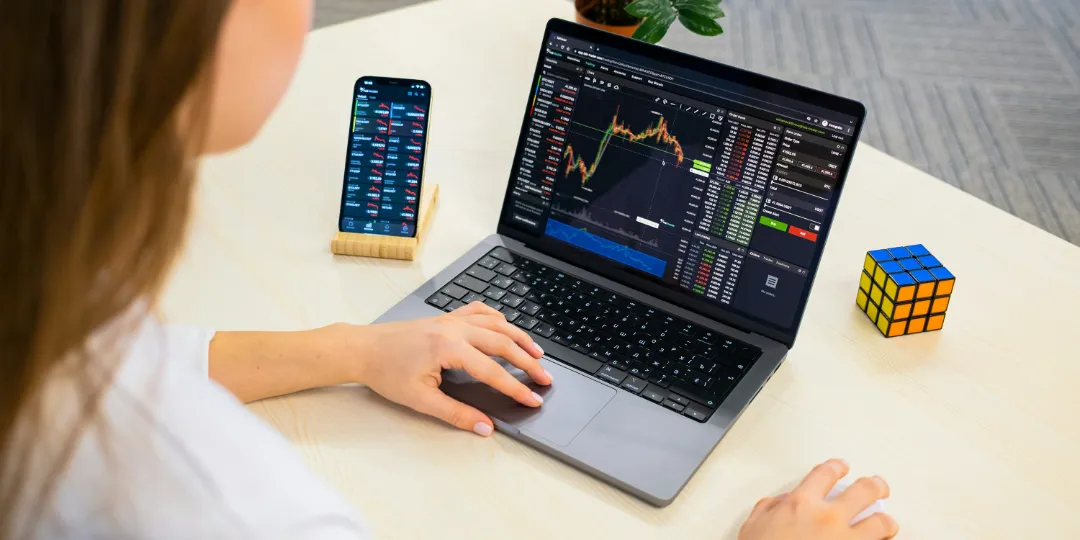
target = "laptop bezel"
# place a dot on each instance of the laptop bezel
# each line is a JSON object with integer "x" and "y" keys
{"x": 634, "y": 279}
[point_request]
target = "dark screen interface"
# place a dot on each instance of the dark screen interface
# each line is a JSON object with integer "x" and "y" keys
{"x": 713, "y": 188}
{"x": 385, "y": 158}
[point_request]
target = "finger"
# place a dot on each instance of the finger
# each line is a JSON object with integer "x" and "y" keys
{"x": 878, "y": 526}
{"x": 493, "y": 343}
{"x": 822, "y": 478}
{"x": 489, "y": 372}
{"x": 433, "y": 402}
{"x": 762, "y": 506}
{"x": 476, "y": 307}
{"x": 860, "y": 495}
{"x": 502, "y": 326}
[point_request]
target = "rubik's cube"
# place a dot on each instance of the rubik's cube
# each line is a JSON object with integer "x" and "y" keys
{"x": 904, "y": 290}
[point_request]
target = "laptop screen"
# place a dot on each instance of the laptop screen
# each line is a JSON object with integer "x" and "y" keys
{"x": 715, "y": 189}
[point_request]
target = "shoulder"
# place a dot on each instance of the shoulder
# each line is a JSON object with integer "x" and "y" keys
{"x": 172, "y": 454}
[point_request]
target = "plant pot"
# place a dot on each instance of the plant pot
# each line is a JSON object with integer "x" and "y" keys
{"x": 608, "y": 15}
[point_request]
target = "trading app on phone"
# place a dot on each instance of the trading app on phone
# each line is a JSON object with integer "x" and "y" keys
{"x": 385, "y": 161}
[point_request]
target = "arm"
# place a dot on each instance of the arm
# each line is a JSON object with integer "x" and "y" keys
{"x": 401, "y": 361}
{"x": 258, "y": 365}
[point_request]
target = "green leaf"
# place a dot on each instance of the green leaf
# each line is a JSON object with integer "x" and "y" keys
{"x": 649, "y": 8}
{"x": 653, "y": 28}
{"x": 705, "y": 8}
{"x": 699, "y": 24}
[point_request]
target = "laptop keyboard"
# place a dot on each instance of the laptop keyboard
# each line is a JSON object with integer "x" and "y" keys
{"x": 669, "y": 361}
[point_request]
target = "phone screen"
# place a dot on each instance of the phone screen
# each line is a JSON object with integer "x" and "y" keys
{"x": 384, "y": 165}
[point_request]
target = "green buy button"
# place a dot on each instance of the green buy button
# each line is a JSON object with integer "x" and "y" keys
{"x": 770, "y": 222}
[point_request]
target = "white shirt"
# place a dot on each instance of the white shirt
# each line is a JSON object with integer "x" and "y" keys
{"x": 174, "y": 455}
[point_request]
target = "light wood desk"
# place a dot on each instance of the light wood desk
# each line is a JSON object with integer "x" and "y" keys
{"x": 977, "y": 427}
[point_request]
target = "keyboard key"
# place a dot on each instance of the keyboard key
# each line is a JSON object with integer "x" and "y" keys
{"x": 502, "y": 254}
{"x": 502, "y": 282}
{"x": 513, "y": 300}
{"x": 511, "y": 315}
{"x": 453, "y": 305}
{"x": 494, "y": 293}
{"x": 640, "y": 370}
{"x": 705, "y": 366}
{"x": 663, "y": 380}
{"x": 439, "y": 300}
{"x": 526, "y": 322}
{"x": 654, "y": 394}
{"x": 633, "y": 384}
{"x": 611, "y": 375}
{"x": 520, "y": 289}
{"x": 577, "y": 361}
{"x": 544, "y": 329}
{"x": 701, "y": 380}
{"x": 563, "y": 338}
{"x": 697, "y": 413}
{"x": 705, "y": 398}
{"x": 471, "y": 297}
{"x": 506, "y": 269}
{"x": 471, "y": 283}
{"x": 674, "y": 405}
{"x": 493, "y": 304}
{"x": 454, "y": 291}
{"x": 579, "y": 348}
{"x": 530, "y": 308}
{"x": 489, "y": 262}
{"x": 481, "y": 273}
{"x": 678, "y": 399}
{"x": 619, "y": 363}
{"x": 520, "y": 276}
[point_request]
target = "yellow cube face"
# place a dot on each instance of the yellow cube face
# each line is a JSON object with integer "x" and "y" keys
{"x": 875, "y": 294}
{"x": 902, "y": 311}
{"x": 887, "y": 307}
{"x": 872, "y": 311}
{"x": 869, "y": 265}
{"x": 935, "y": 322}
{"x": 883, "y": 325}
{"x": 916, "y": 325}
{"x": 860, "y": 299}
{"x": 890, "y": 288}
{"x": 940, "y": 305}
{"x": 945, "y": 287}
{"x": 879, "y": 276}
{"x": 897, "y": 328}
{"x": 922, "y": 307}
{"x": 864, "y": 283}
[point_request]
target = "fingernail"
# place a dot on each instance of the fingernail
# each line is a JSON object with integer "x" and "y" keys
{"x": 539, "y": 349}
{"x": 881, "y": 483}
{"x": 482, "y": 429}
{"x": 548, "y": 373}
{"x": 840, "y": 465}
{"x": 539, "y": 400}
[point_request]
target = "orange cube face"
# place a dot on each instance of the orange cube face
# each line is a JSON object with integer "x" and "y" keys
{"x": 897, "y": 328}
{"x": 935, "y": 322}
{"x": 922, "y": 307}
{"x": 940, "y": 305}
{"x": 906, "y": 294}
{"x": 945, "y": 287}
{"x": 902, "y": 311}
{"x": 916, "y": 325}
{"x": 926, "y": 290}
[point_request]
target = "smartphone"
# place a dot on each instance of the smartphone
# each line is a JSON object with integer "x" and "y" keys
{"x": 384, "y": 161}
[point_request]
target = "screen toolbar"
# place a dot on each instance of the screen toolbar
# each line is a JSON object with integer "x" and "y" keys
{"x": 712, "y": 189}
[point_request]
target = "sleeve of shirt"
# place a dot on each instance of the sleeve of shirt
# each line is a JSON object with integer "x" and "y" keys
{"x": 190, "y": 345}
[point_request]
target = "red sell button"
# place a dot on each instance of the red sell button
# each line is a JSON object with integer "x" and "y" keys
{"x": 802, "y": 233}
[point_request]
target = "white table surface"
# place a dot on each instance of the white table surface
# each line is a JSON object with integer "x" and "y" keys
{"x": 976, "y": 427}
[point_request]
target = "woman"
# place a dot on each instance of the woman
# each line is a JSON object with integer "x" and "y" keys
{"x": 110, "y": 425}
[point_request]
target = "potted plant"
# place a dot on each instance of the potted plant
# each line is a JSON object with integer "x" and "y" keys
{"x": 649, "y": 20}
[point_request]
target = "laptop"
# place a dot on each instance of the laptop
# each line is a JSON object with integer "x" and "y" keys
{"x": 661, "y": 229}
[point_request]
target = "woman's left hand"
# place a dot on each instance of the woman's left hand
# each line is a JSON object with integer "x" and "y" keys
{"x": 404, "y": 361}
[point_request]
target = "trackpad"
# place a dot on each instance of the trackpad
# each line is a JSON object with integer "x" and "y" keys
{"x": 569, "y": 403}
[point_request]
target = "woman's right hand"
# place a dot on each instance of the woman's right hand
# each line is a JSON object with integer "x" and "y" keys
{"x": 804, "y": 513}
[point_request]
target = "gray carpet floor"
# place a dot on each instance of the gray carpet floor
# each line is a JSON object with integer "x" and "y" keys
{"x": 983, "y": 94}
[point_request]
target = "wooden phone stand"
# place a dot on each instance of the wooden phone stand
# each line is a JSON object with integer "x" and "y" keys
{"x": 389, "y": 247}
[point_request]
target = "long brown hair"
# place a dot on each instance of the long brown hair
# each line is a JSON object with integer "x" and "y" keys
{"x": 101, "y": 103}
